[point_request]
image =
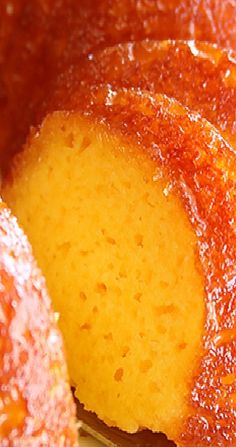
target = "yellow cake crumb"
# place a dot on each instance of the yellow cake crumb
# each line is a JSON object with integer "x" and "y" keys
{"x": 121, "y": 265}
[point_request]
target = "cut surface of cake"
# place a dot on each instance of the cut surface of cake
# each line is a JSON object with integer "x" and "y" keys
{"x": 128, "y": 201}
{"x": 118, "y": 269}
{"x": 36, "y": 403}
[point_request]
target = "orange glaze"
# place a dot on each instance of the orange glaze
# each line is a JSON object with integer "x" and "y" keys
{"x": 201, "y": 168}
{"x": 199, "y": 75}
{"x": 42, "y": 37}
{"x": 81, "y": 26}
{"x": 24, "y": 68}
{"x": 36, "y": 407}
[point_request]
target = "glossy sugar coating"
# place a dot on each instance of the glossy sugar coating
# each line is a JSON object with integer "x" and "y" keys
{"x": 201, "y": 166}
{"x": 201, "y": 76}
{"x": 81, "y": 26}
{"x": 24, "y": 68}
{"x": 36, "y": 406}
{"x": 40, "y": 38}
{"x": 206, "y": 20}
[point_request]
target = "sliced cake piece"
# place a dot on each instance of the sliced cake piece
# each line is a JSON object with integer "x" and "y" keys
{"x": 201, "y": 76}
{"x": 129, "y": 202}
{"x": 40, "y": 38}
{"x": 36, "y": 403}
{"x": 206, "y": 20}
{"x": 82, "y": 26}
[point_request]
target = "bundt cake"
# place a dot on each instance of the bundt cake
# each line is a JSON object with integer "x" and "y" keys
{"x": 199, "y": 75}
{"x": 24, "y": 66}
{"x": 129, "y": 202}
{"x": 39, "y": 38}
{"x": 36, "y": 406}
{"x": 122, "y": 20}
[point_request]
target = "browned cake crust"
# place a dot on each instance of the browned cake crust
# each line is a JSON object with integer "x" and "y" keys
{"x": 40, "y": 38}
{"x": 36, "y": 403}
{"x": 199, "y": 75}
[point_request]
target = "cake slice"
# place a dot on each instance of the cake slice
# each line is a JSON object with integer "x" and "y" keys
{"x": 121, "y": 20}
{"x": 39, "y": 39}
{"x": 36, "y": 403}
{"x": 129, "y": 202}
{"x": 199, "y": 75}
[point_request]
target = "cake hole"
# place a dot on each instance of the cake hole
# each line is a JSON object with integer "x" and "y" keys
{"x": 95, "y": 309}
{"x": 182, "y": 346}
{"x": 119, "y": 374}
{"x": 138, "y": 296}
{"x": 85, "y": 327}
{"x": 65, "y": 247}
{"x": 122, "y": 273}
{"x": 145, "y": 365}
{"x": 127, "y": 185}
{"x": 84, "y": 252}
{"x": 125, "y": 351}
{"x": 108, "y": 336}
{"x": 139, "y": 240}
{"x": 141, "y": 334}
{"x": 165, "y": 309}
{"x": 101, "y": 288}
{"x": 111, "y": 241}
{"x": 83, "y": 296}
{"x": 164, "y": 284}
{"x": 161, "y": 329}
{"x": 153, "y": 387}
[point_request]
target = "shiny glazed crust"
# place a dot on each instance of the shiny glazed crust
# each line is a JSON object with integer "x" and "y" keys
{"x": 199, "y": 75}
{"x": 40, "y": 38}
{"x": 36, "y": 407}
